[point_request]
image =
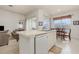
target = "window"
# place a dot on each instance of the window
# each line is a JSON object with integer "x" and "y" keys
{"x": 46, "y": 24}
{"x": 62, "y": 22}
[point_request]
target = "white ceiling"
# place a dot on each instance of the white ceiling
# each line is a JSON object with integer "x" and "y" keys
{"x": 52, "y": 9}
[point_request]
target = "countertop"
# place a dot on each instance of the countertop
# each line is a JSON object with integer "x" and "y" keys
{"x": 31, "y": 32}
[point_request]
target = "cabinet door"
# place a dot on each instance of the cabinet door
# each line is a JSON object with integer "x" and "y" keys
{"x": 51, "y": 39}
{"x": 42, "y": 44}
{"x": 26, "y": 45}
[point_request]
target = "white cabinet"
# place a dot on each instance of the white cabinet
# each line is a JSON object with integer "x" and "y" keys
{"x": 45, "y": 42}
{"x": 36, "y": 42}
{"x": 26, "y": 45}
{"x": 51, "y": 39}
{"x": 42, "y": 44}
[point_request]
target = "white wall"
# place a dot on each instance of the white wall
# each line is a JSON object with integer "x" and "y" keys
{"x": 10, "y": 20}
{"x": 33, "y": 14}
{"x": 74, "y": 28}
{"x": 41, "y": 16}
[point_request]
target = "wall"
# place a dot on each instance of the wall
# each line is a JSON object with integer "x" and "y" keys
{"x": 74, "y": 28}
{"x": 75, "y": 16}
{"x": 29, "y": 17}
{"x": 40, "y": 16}
{"x": 10, "y": 20}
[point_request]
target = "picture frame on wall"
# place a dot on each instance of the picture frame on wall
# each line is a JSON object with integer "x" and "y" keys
{"x": 75, "y": 22}
{"x": 40, "y": 23}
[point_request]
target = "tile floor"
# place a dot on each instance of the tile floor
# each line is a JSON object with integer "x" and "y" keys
{"x": 67, "y": 47}
{"x": 11, "y": 48}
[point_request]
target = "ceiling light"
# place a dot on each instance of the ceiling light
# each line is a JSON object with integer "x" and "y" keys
{"x": 58, "y": 10}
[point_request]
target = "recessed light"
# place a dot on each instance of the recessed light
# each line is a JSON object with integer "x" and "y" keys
{"x": 58, "y": 10}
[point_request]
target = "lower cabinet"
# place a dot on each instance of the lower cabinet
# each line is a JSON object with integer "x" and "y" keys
{"x": 51, "y": 39}
{"x": 26, "y": 45}
{"x": 45, "y": 42}
{"x": 42, "y": 44}
{"x": 39, "y": 44}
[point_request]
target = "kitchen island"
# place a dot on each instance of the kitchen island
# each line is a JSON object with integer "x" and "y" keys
{"x": 36, "y": 42}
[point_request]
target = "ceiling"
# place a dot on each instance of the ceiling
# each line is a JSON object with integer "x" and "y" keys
{"x": 51, "y": 9}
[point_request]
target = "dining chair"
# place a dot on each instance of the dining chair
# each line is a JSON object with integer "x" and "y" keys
{"x": 63, "y": 34}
